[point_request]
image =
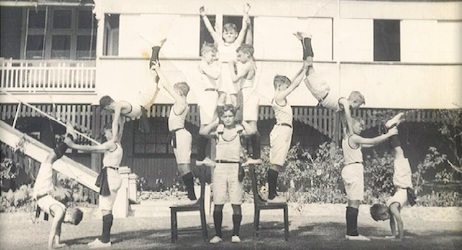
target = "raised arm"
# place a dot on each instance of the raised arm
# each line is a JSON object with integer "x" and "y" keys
{"x": 208, "y": 129}
{"x": 210, "y": 71}
{"x": 209, "y": 26}
{"x": 347, "y": 114}
{"x": 243, "y": 31}
{"x": 180, "y": 102}
{"x": 116, "y": 119}
{"x": 295, "y": 83}
{"x": 109, "y": 145}
{"x": 249, "y": 34}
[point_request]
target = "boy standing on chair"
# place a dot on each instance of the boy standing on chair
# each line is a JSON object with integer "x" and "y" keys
{"x": 181, "y": 139}
{"x": 109, "y": 179}
{"x": 281, "y": 134}
{"x": 353, "y": 173}
{"x": 42, "y": 194}
{"x": 227, "y": 174}
{"x": 245, "y": 79}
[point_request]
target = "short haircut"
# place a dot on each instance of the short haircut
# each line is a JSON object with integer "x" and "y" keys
{"x": 183, "y": 87}
{"x": 230, "y": 27}
{"x": 357, "y": 120}
{"x": 227, "y": 107}
{"x": 246, "y": 48}
{"x": 358, "y": 97}
{"x": 207, "y": 47}
{"x": 377, "y": 210}
{"x": 280, "y": 79}
{"x": 76, "y": 215}
{"x": 105, "y": 101}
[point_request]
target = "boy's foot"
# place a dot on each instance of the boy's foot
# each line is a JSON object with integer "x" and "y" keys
{"x": 98, "y": 244}
{"x": 277, "y": 199}
{"x": 395, "y": 121}
{"x": 300, "y": 35}
{"x": 70, "y": 130}
{"x": 206, "y": 162}
{"x": 235, "y": 239}
{"x": 357, "y": 237}
{"x": 215, "y": 240}
{"x": 251, "y": 161}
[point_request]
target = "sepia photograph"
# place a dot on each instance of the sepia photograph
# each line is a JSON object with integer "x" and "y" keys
{"x": 231, "y": 124}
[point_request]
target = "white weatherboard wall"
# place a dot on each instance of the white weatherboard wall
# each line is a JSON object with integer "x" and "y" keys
{"x": 354, "y": 40}
{"x": 449, "y": 45}
{"x": 419, "y": 41}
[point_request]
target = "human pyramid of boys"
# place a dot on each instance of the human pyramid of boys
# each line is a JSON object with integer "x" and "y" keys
{"x": 228, "y": 71}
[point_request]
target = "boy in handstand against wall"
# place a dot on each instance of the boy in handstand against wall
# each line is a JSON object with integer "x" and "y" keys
{"x": 402, "y": 180}
{"x": 42, "y": 194}
{"x": 321, "y": 90}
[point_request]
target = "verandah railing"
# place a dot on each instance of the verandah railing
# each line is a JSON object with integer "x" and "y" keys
{"x": 47, "y": 76}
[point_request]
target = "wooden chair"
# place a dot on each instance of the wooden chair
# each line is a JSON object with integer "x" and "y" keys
{"x": 199, "y": 206}
{"x": 260, "y": 204}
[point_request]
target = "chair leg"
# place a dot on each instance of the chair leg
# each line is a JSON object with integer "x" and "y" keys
{"x": 286, "y": 223}
{"x": 204, "y": 224}
{"x": 256, "y": 223}
{"x": 174, "y": 225}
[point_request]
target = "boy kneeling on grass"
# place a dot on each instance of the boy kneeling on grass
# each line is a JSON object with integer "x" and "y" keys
{"x": 402, "y": 180}
{"x": 44, "y": 186}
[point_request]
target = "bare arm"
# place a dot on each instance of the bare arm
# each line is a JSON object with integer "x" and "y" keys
{"x": 109, "y": 145}
{"x": 394, "y": 209}
{"x": 249, "y": 35}
{"x": 118, "y": 138}
{"x": 248, "y": 130}
{"x": 209, "y": 26}
{"x": 210, "y": 71}
{"x": 241, "y": 73}
{"x": 58, "y": 217}
{"x": 358, "y": 140}
{"x": 116, "y": 119}
{"x": 243, "y": 31}
{"x": 347, "y": 114}
{"x": 208, "y": 129}
{"x": 295, "y": 83}
{"x": 180, "y": 103}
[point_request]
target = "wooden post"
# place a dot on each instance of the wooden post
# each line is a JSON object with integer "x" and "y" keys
{"x": 120, "y": 209}
{"x": 96, "y": 160}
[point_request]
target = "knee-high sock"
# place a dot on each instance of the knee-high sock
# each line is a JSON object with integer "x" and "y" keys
{"x": 188, "y": 181}
{"x": 217, "y": 221}
{"x": 307, "y": 48}
{"x": 352, "y": 221}
{"x": 107, "y": 224}
{"x": 154, "y": 56}
{"x": 201, "y": 148}
{"x": 255, "y": 141}
{"x": 237, "y": 218}
{"x": 272, "y": 182}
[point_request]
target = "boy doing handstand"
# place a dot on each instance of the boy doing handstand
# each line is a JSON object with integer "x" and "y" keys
{"x": 402, "y": 180}
{"x": 42, "y": 194}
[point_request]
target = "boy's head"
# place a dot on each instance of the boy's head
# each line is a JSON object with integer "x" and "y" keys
{"x": 245, "y": 53}
{"x": 105, "y": 102}
{"x": 356, "y": 99}
{"x": 230, "y": 32}
{"x": 182, "y": 88}
{"x": 209, "y": 52}
{"x": 227, "y": 114}
{"x": 358, "y": 125}
{"x": 281, "y": 82}
{"x": 380, "y": 212}
{"x": 73, "y": 216}
{"x": 107, "y": 131}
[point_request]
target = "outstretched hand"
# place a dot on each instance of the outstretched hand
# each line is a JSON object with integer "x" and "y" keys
{"x": 246, "y": 8}
{"x": 202, "y": 11}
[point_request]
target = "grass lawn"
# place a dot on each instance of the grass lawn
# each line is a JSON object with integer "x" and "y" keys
{"x": 310, "y": 230}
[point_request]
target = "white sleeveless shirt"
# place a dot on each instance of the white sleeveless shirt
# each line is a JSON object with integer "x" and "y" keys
{"x": 176, "y": 121}
{"x": 351, "y": 155}
{"x": 283, "y": 114}
{"x": 114, "y": 157}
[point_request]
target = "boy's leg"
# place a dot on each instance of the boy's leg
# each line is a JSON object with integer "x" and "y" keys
{"x": 395, "y": 121}
{"x": 305, "y": 38}
{"x": 272, "y": 178}
{"x": 188, "y": 180}
{"x": 155, "y": 54}
{"x": 237, "y": 219}
{"x": 217, "y": 221}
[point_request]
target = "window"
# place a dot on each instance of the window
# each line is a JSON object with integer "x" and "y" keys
{"x": 111, "y": 35}
{"x": 60, "y": 33}
{"x": 205, "y": 34}
{"x": 387, "y": 40}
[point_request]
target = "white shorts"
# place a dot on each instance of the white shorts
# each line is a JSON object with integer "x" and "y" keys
{"x": 114, "y": 181}
{"x": 136, "y": 111}
{"x": 226, "y": 184}
{"x": 46, "y": 202}
{"x": 353, "y": 179}
{"x": 402, "y": 176}
{"x": 226, "y": 83}
{"x": 317, "y": 86}
{"x": 250, "y": 104}
{"x": 208, "y": 107}
{"x": 183, "y": 146}
{"x": 400, "y": 197}
{"x": 280, "y": 139}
